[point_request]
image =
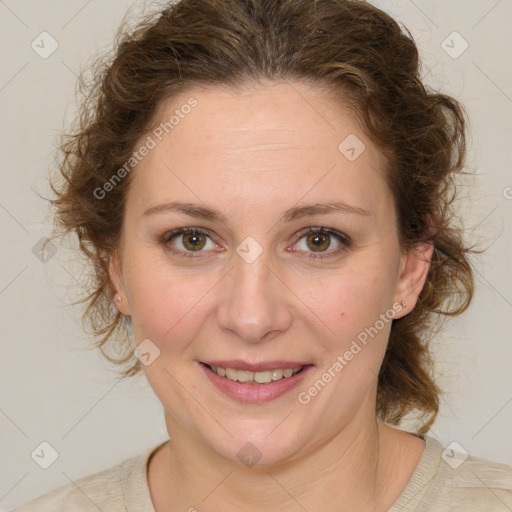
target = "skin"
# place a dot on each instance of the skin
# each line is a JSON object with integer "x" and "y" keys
{"x": 251, "y": 155}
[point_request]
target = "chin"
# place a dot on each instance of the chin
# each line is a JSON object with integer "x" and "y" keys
{"x": 259, "y": 442}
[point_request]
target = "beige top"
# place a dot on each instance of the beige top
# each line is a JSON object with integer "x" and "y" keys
{"x": 475, "y": 485}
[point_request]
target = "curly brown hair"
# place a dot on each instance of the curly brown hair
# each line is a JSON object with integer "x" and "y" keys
{"x": 348, "y": 47}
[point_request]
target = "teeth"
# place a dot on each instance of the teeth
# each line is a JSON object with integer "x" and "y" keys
{"x": 230, "y": 373}
{"x": 255, "y": 377}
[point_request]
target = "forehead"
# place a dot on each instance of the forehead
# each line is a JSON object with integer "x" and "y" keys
{"x": 260, "y": 117}
{"x": 276, "y": 141}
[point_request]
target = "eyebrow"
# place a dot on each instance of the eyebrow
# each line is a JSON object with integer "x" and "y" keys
{"x": 297, "y": 212}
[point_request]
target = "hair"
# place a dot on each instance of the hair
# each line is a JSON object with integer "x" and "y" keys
{"x": 349, "y": 47}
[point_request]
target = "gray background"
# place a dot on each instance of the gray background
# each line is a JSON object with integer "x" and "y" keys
{"x": 53, "y": 390}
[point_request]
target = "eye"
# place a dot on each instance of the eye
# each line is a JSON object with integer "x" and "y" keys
{"x": 193, "y": 240}
{"x": 318, "y": 240}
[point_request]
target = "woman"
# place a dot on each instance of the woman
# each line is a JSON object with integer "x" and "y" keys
{"x": 264, "y": 189}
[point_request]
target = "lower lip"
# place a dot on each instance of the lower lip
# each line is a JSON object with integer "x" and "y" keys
{"x": 256, "y": 393}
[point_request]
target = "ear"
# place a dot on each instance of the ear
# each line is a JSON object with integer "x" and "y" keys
{"x": 414, "y": 267}
{"x": 116, "y": 276}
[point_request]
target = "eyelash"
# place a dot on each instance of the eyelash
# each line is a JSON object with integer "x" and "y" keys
{"x": 343, "y": 239}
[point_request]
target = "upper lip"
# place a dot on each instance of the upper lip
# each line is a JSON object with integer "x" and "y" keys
{"x": 239, "y": 364}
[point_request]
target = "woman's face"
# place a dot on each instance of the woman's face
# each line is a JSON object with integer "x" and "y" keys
{"x": 249, "y": 287}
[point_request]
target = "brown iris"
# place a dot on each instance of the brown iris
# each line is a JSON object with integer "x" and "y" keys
{"x": 194, "y": 241}
{"x": 321, "y": 241}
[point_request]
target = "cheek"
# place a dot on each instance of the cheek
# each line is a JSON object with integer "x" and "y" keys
{"x": 167, "y": 307}
{"x": 354, "y": 308}
{"x": 350, "y": 301}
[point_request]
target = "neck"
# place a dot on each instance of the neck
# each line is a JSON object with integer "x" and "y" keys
{"x": 361, "y": 468}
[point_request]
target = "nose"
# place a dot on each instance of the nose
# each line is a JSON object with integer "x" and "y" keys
{"x": 255, "y": 303}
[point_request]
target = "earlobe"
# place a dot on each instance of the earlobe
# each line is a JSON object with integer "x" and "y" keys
{"x": 414, "y": 270}
{"x": 117, "y": 284}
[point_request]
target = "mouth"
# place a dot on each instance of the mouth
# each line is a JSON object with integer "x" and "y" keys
{"x": 255, "y": 383}
{"x": 252, "y": 377}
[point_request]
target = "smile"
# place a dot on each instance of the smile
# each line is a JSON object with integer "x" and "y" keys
{"x": 265, "y": 377}
{"x": 255, "y": 386}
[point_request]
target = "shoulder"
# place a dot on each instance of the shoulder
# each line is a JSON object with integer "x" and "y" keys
{"x": 475, "y": 484}
{"x": 84, "y": 494}
{"x": 112, "y": 489}
{"x": 448, "y": 479}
